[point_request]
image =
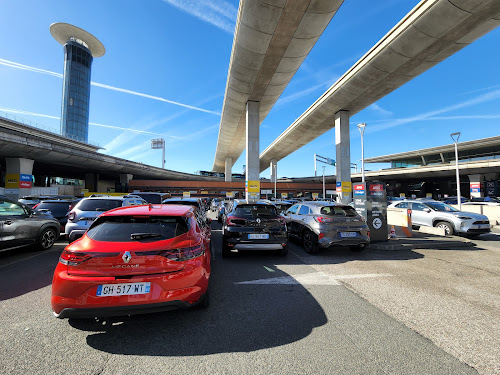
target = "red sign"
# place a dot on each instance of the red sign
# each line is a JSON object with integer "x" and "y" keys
{"x": 24, "y": 184}
{"x": 359, "y": 187}
{"x": 377, "y": 187}
{"x": 475, "y": 185}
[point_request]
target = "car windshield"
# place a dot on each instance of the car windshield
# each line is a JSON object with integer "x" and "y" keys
{"x": 99, "y": 204}
{"x": 255, "y": 210}
{"x": 151, "y": 198}
{"x": 58, "y": 209}
{"x": 186, "y": 203}
{"x": 131, "y": 229}
{"x": 439, "y": 206}
{"x": 338, "y": 211}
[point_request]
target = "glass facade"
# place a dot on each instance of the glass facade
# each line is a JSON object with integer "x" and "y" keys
{"x": 76, "y": 91}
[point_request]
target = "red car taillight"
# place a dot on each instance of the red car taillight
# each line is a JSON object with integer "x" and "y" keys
{"x": 323, "y": 219}
{"x": 35, "y": 206}
{"x": 73, "y": 258}
{"x": 71, "y": 216}
{"x": 182, "y": 254}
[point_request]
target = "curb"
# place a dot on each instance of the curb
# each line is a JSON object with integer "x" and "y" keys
{"x": 438, "y": 245}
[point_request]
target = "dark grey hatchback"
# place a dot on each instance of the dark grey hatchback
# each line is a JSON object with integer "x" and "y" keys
{"x": 254, "y": 226}
{"x": 21, "y": 226}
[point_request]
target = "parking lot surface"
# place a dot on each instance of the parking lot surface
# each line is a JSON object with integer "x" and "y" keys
{"x": 422, "y": 311}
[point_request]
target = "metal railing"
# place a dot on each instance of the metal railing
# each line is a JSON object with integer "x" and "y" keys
{"x": 37, "y": 125}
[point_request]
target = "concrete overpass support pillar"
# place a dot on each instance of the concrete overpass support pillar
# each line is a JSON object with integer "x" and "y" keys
{"x": 343, "y": 157}
{"x": 476, "y": 185}
{"x": 252, "y": 145}
{"x": 91, "y": 181}
{"x": 125, "y": 178}
{"x": 18, "y": 177}
{"x": 228, "y": 174}
{"x": 274, "y": 170}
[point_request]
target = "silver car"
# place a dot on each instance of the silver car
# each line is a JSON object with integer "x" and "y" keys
{"x": 88, "y": 209}
{"x": 431, "y": 213}
{"x": 324, "y": 224}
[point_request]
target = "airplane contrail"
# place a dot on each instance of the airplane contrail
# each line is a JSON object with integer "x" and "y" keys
{"x": 90, "y": 123}
{"x": 12, "y": 64}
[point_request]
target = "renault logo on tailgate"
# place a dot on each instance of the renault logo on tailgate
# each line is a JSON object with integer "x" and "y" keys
{"x": 126, "y": 257}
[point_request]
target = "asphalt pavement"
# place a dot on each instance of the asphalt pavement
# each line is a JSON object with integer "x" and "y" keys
{"x": 334, "y": 313}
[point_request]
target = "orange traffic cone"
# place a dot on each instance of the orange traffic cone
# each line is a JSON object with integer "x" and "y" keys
{"x": 393, "y": 232}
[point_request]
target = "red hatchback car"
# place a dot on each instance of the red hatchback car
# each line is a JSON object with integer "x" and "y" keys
{"x": 134, "y": 260}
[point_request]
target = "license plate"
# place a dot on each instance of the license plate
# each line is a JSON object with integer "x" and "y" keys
{"x": 258, "y": 236}
{"x": 348, "y": 234}
{"x": 122, "y": 289}
{"x": 483, "y": 226}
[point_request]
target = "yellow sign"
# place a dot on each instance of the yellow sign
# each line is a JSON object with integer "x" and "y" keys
{"x": 186, "y": 194}
{"x": 428, "y": 195}
{"x": 11, "y": 181}
{"x": 402, "y": 195}
{"x": 204, "y": 192}
{"x": 315, "y": 195}
{"x": 346, "y": 187}
{"x": 253, "y": 186}
{"x": 229, "y": 194}
{"x": 284, "y": 195}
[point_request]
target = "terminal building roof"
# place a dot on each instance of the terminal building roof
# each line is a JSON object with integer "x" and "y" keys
{"x": 484, "y": 148}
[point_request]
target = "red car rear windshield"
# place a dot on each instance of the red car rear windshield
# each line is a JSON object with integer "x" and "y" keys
{"x": 133, "y": 228}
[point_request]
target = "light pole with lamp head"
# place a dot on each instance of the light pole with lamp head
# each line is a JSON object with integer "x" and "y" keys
{"x": 455, "y": 137}
{"x": 324, "y": 191}
{"x": 275, "y": 179}
{"x": 159, "y": 143}
{"x": 361, "y": 128}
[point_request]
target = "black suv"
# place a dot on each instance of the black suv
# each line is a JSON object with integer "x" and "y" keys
{"x": 254, "y": 226}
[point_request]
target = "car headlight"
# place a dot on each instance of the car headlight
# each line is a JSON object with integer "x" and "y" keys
{"x": 464, "y": 218}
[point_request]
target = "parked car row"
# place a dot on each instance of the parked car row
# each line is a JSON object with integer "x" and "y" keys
{"x": 433, "y": 213}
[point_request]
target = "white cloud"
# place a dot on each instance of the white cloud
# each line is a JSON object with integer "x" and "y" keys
{"x": 218, "y": 13}
{"x": 384, "y": 112}
{"x": 493, "y": 95}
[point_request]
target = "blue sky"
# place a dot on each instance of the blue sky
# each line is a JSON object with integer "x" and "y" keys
{"x": 165, "y": 68}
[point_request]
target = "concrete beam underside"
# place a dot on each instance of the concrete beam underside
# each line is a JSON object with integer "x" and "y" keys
{"x": 430, "y": 33}
{"x": 271, "y": 42}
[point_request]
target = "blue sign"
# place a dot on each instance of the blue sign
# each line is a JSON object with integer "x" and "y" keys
{"x": 25, "y": 177}
{"x": 359, "y": 192}
{"x": 475, "y": 190}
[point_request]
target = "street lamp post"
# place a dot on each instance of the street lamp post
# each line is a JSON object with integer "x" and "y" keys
{"x": 455, "y": 137}
{"x": 324, "y": 191}
{"x": 275, "y": 179}
{"x": 361, "y": 128}
{"x": 157, "y": 144}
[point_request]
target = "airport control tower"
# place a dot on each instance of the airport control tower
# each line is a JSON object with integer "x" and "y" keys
{"x": 80, "y": 47}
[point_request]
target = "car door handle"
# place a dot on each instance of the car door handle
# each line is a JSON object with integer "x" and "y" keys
{"x": 7, "y": 222}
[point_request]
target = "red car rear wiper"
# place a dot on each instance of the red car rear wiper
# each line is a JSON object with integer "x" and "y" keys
{"x": 140, "y": 236}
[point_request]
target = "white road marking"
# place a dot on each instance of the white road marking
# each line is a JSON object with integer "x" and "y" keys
{"x": 314, "y": 278}
{"x": 268, "y": 269}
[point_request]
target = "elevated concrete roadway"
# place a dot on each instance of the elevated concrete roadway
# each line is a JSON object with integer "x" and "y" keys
{"x": 431, "y": 32}
{"x": 271, "y": 40}
{"x": 54, "y": 153}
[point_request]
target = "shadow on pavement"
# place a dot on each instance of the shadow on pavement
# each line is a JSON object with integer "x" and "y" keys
{"x": 30, "y": 270}
{"x": 240, "y": 318}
